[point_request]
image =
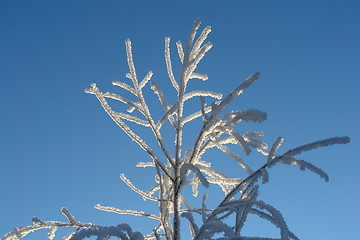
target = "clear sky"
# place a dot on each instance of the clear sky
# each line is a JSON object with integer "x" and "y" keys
{"x": 59, "y": 148}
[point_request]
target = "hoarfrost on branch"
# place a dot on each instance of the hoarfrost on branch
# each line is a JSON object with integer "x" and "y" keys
{"x": 185, "y": 167}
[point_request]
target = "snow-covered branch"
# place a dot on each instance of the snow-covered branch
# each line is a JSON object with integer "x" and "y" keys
{"x": 176, "y": 168}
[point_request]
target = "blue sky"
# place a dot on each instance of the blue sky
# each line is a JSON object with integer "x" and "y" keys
{"x": 59, "y": 148}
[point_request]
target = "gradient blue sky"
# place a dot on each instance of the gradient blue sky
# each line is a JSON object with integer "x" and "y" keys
{"x": 59, "y": 148}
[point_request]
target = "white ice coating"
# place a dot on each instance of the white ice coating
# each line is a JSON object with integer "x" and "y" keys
{"x": 274, "y": 148}
{"x": 128, "y": 212}
{"x": 193, "y": 168}
{"x": 200, "y": 93}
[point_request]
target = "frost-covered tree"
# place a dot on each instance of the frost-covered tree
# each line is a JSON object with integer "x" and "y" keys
{"x": 176, "y": 168}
